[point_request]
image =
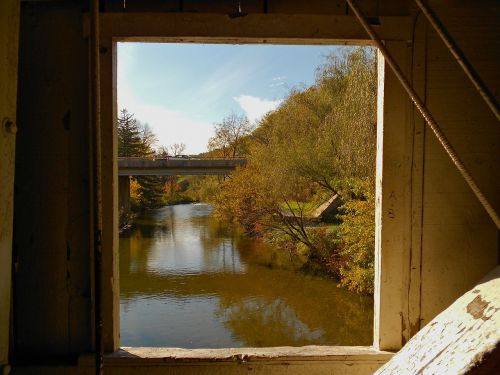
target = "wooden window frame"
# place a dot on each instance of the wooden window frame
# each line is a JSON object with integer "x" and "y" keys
{"x": 396, "y": 296}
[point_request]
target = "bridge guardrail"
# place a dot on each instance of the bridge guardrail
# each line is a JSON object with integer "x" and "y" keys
{"x": 178, "y": 158}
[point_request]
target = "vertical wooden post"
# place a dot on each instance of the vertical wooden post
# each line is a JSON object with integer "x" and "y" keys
{"x": 95, "y": 109}
{"x": 419, "y": 81}
{"x": 111, "y": 290}
{"x": 393, "y": 206}
{"x": 9, "y": 38}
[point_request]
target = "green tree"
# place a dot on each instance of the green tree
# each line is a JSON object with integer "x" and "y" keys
{"x": 151, "y": 193}
{"x": 137, "y": 140}
{"x": 129, "y": 135}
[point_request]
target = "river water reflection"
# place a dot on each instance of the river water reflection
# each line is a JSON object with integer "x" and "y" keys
{"x": 187, "y": 280}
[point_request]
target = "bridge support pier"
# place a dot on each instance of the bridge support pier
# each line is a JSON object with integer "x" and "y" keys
{"x": 124, "y": 193}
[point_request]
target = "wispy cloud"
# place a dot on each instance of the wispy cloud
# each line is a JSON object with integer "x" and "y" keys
{"x": 276, "y": 84}
{"x": 255, "y": 107}
{"x": 234, "y": 74}
{"x": 277, "y": 81}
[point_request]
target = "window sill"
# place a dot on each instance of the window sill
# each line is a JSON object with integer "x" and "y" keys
{"x": 133, "y": 356}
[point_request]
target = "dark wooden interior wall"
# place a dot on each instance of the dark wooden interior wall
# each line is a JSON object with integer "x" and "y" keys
{"x": 51, "y": 240}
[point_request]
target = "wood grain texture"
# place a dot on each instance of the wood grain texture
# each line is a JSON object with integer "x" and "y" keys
{"x": 463, "y": 339}
{"x": 459, "y": 240}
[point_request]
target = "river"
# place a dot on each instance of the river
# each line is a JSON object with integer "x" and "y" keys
{"x": 187, "y": 280}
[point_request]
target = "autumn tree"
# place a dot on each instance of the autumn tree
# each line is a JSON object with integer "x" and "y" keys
{"x": 162, "y": 152}
{"x": 327, "y": 133}
{"x": 230, "y": 133}
{"x": 148, "y": 139}
{"x": 319, "y": 142}
{"x": 177, "y": 149}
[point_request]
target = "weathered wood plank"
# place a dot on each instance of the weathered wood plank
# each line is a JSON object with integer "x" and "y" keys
{"x": 393, "y": 215}
{"x": 253, "y": 28}
{"x": 463, "y": 339}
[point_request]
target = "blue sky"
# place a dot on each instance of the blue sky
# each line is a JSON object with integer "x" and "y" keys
{"x": 181, "y": 90}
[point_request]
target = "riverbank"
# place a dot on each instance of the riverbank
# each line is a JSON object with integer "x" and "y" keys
{"x": 314, "y": 261}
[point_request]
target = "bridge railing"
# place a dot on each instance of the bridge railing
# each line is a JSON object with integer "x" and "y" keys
{"x": 179, "y": 158}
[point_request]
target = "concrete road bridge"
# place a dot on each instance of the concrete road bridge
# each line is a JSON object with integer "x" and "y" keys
{"x": 174, "y": 166}
{"x": 169, "y": 166}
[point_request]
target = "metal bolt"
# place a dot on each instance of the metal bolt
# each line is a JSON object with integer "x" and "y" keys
{"x": 9, "y": 126}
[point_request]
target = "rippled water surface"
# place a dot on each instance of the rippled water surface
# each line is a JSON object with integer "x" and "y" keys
{"x": 187, "y": 280}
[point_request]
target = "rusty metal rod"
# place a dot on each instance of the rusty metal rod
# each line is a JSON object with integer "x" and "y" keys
{"x": 95, "y": 107}
{"x": 429, "y": 119}
{"x": 457, "y": 53}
